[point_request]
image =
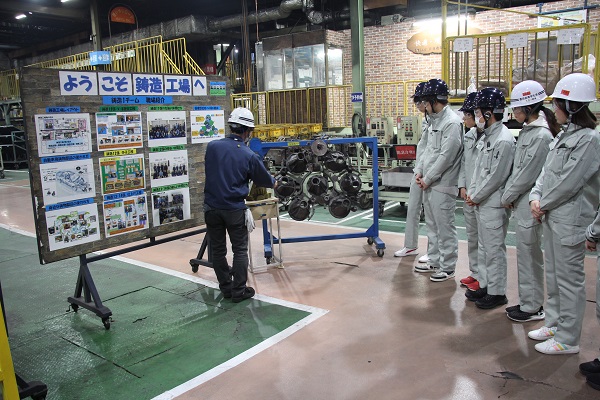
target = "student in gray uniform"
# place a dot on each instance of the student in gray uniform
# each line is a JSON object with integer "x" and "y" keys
{"x": 467, "y": 167}
{"x": 437, "y": 174}
{"x": 539, "y": 127}
{"x": 592, "y": 368}
{"x": 492, "y": 169}
{"x": 415, "y": 196}
{"x": 565, "y": 196}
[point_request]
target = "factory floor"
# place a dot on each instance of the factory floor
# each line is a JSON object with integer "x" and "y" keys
{"x": 382, "y": 332}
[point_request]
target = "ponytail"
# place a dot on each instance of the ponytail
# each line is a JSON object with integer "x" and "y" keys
{"x": 552, "y": 122}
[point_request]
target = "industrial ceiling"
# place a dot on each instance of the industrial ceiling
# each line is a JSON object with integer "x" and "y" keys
{"x": 48, "y": 25}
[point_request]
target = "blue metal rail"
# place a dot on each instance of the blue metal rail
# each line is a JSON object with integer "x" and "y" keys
{"x": 372, "y": 233}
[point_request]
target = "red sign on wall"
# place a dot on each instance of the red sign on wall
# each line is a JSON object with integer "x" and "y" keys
{"x": 123, "y": 15}
{"x": 406, "y": 151}
{"x": 210, "y": 69}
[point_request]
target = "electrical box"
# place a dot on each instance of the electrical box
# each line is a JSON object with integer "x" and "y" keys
{"x": 382, "y": 128}
{"x": 408, "y": 129}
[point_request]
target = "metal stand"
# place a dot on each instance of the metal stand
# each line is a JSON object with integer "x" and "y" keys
{"x": 266, "y": 210}
{"x": 35, "y": 389}
{"x": 85, "y": 283}
{"x": 372, "y": 233}
{"x": 196, "y": 262}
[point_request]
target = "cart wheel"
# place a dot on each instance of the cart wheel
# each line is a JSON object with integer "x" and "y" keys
{"x": 75, "y": 307}
{"x": 2, "y": 176}
{"x": 381, "y": 206}
{"x": 380, "y": 253}
{"x": 106, "y": 323}
{"x": 370, "y": 241}
{"x": 194, "y": 266}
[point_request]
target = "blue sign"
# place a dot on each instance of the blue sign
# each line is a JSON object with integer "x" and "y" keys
{"x": 133, "y": 100}
{"x": 55, "y": 110}
{"x": 99, "y": 57}
{"x": 204, "y": 108}
{"x": 356, "y": 97}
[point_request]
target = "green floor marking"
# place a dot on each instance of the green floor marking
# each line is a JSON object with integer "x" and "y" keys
{"x": 165, "y": 331}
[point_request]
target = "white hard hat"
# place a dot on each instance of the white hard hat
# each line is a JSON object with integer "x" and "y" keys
{"x": 242, "y": 116}
{"x": 527, "y": 93}
{"x": 576, "y": 87}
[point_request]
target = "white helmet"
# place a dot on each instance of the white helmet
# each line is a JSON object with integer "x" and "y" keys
{"x": 527, "y": 93}
{"x": 576, "y": 87}
{"x": 242, "y": 116}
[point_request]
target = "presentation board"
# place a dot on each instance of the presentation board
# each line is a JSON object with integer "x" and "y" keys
{"x": 107, "y": 170}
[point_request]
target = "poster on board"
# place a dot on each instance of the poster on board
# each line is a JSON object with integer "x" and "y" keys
{"x": 119, "y": 174}
{"x": 166, "y": 128}
{"x": 207, "y": 125}
{"x": 168, "y": 167}
{"x": 170, "y": 204}
{"x": 72, "y": 223}
{"x": 63, "y": 133}
{"x": 67, "y": 180}
{"x": 119, "y": 130}
{"x": 125, "y": 212}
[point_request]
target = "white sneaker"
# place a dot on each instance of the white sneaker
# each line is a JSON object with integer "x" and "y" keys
{"x": 406, "y": 252}
{"x": 544, "y": 333}
{"x": 424, "y": 258}
{"x": 551, "y": 346}
{"x": 441, "y": 276}
{"x": 427, "y": 268}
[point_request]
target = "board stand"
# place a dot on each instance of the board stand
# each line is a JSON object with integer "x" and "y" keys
{"x": 199, "y": 260}
{"x": 86, "y": 294}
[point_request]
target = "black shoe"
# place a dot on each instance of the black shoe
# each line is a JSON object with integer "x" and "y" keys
{"x": 226, "y": 295}
{"x": 246, "y": 294}
{"x": 524, "y": 316}
{"x": 490, "y": 301}
{"x": 475, "y": 295}
{"x": 513, "y": 308}
{"x": 591, "y": 367}
{"x": 594, "y": 381}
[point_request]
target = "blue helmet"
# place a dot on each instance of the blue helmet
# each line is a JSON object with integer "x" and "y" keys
{"x": 436, "y": 88}
{"x": 469, "y": 104}
{"x": 418, "y": 91}
{"x": 491, "y": 98}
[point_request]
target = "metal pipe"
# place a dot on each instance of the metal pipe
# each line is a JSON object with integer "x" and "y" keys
{"x": 283, "y": 11}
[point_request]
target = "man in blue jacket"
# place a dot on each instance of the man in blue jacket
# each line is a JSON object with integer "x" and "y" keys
{"x": 230, "y": 165}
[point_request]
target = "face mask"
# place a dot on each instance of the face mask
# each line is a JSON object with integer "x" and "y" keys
{"x": 480, "y": 125}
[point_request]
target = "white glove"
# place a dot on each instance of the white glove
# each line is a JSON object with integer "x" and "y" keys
{"x": 249, "y": 220}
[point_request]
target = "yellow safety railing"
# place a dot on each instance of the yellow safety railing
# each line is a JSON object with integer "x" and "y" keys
{"x": 491, "y": 63}
{"x": 8, "y": 381}
{"x": 9, "y": 85}
{"x": 330, "y": 106}
{"x": 150, "y": 55}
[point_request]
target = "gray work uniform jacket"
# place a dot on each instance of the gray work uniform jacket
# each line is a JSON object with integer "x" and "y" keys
{"x": 569, "y": 183}
{"x": 494, "y": 162}
{"x": 533, "y": 146}
{"x": 440, "y": 164}
{"x": 469, "y": 158}
{"x": 422, "y": 145}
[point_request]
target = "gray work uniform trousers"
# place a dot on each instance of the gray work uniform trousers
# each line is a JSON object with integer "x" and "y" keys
{"x": 598, "y": 290}
{"x": 413, "y": 216}
{"x": 492, "y": 224}
{"x": 441, "y": 230}
{"x": 530, "y": 266}
{"x": 565, "y": 280}
{"x": 472, "y": 239}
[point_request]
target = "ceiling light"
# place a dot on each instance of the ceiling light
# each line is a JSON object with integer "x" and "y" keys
{"x": 21, "y": 16}
{"x": 63, "y": 1}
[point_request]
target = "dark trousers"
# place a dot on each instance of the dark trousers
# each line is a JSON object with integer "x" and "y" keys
{"x": 232, "y": 222}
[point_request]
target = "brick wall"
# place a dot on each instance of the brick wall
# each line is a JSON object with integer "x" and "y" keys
{"x": 387, "y": 59}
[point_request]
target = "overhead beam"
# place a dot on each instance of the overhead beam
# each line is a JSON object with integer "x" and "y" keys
{"x": 49, "y": 12}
